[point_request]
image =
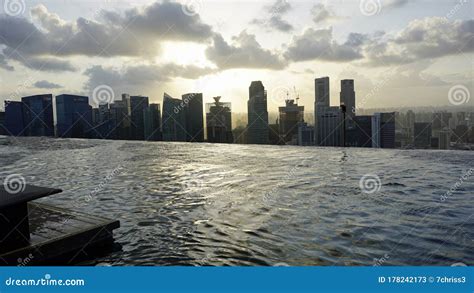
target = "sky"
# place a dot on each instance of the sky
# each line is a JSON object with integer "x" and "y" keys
{"x": 400, "y": 53}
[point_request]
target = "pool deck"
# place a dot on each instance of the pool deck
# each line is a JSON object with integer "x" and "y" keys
{"x": 61, "y": 237}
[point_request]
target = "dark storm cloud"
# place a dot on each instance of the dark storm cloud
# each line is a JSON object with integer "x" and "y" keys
{"x": 133, "y": 33}
{"x": 245, "y": 52}
{"x": 273, "y": 17}
{"x": 44, "y": 84}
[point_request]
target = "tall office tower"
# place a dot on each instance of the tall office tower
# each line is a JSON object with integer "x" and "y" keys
{"x": 321, "y": 92}
{"x": 127, "y": 121}
{"x": 174, "y": 119}
{"x": 73, "y": 116}
{"x": 257, "y": 127}
{"x": 153, "y": 123}
{"x": 138, "y": 106}
{"x": 347, "y": 97}
{"x": 193, "y": 107}
{"x": 291, "y": 115}
{"x": 410, "y": 125}
{"x": 360, "y": 134}
{"x": 38, "y": 115}
{"x": 305, "y": 134}
{"x": 95, "y": 116}
{"x": 14, "y": 120}
{"x": 444, "y": 139}
{"x": 383, "y": 130}
{"x": 219, "y": 122}
{"x": 441, "y": 120}
{"x": 330, "y": 127}
{"x": 423, "y": 132}
{"x": 461, "y": 118}
{"x": 3, "y": 130}
{"x": 118, "y": 113}
{"x": 461, "y": 133}
{"x": 321, "y": 101}
{"x": 104, "y": 113}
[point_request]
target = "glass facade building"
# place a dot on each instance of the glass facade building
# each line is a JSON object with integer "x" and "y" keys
{"x": 74, "y": 116}
{"x": 38, "y": 115}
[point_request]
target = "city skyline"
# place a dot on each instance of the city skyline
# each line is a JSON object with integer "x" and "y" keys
{"x": 413, "y": 58}
{"x": 184, "y": 120}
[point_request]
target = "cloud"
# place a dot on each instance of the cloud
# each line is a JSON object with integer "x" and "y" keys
{"x": 426, "y": 38}
{"x": 50, "y": 64}
{"x": 319, "y": 44}
{"x": 395, "y": 3}
{"x": 321, "y": 13}
{"x": 135, "y": 33}
{"x": 140, "y": 76}
{"x": 274, "y": 19}
{"x": 44, "y": 84}
{"x": 166, "y": 20}
{"x": 4, "y": 64}
{"x": 245, "y": 52}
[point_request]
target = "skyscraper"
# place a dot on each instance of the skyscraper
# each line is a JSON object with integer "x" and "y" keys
{"x": 444, "y": 139}
{"x": 38, "y": 115}
{"x": 410, "y": 126}
{"x": 423, "y": 135}
{"x": 194, "y": 117}
{"x": 360, "y": 133}
{"x": 74, "y": 116}
{"x": 305, "y": 134}
{"x": 321, "y": 102}
{"x": 219, "y": 122}
{"x": 290, "y": 117}
{"x": 257, "y": 127}
{"x": 3, "y": 130}
{"x": 347, "y": 97}
{"x": 321, "y": 92}
{"x": 174, "y": 119}
{"x": 441, "y": 120}
{"x": 118, "y": 113}
{"x": 330, "y": 127}
{"x": 383, "y": 130}
{"x": 153, "y": 123}
{"x": 138, "y": 106}
{"x": 14, "y": 120}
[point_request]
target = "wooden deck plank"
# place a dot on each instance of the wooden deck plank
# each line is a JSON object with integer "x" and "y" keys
{"x": 54, "y": 239}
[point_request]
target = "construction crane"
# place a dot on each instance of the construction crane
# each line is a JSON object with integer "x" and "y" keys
{"x": 296, "y": 94}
